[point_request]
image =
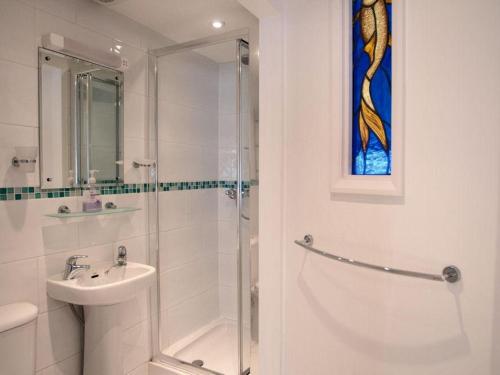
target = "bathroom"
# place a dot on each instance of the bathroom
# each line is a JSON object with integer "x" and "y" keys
{"x": 195, "y": 187}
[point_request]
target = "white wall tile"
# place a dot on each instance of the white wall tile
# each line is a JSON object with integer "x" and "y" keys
{"x": 227, "y": 74}
{"x": 101, "y": 230}
{"x": 203, "y": 206}
{"x": 68, "y": 366}
{"x": 12, "y": 136}
{"x": 208, "y": 168}
{"x": 173, "y": 209}
{"x": 135, "y": 310}
{"x": 228, "y": 270}
{"x": 26, "y": 232}
{"x": 17, "y": 33}
{"x": 152, "y": 210}
{"x": 227, "y": 88}
{"x": 190, "y": 315}
{"x": 188, "y": 281}
{"x": 134, "y": 224}
{"x": 228, "y": 239}
{"x": 180, "y": 246}
{"x": 228, "y": 130}
{"x": 186, "y": 124}
{"x": 227, "y": 207}
{"x": 104, "y": 21}
{"x": 112, "y": 228}
{"x": 59, "y": 236}
{"x": 181, "y": 162}
{"x": 58, "y": 337}
{"x": 189, "y": 79}
{"x": 136, "y": 346}
{"x": 104, "y": 230}
{"x": 18, "y": 282}
{"x": 19, "y": 94}
{"x": 61, "y": 8}
{"x": 210, "y": 235}
{"x": 135, "y": 115}
{"x": 228, "y": 164}
{"x": 228, "y": 302}
{"x": 135, "y": 149}
{"x": 49, "y": 23}
{"x": 136, "y": 76}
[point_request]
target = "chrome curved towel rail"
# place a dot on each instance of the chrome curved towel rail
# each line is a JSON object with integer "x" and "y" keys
{"x": 449, "y": 274}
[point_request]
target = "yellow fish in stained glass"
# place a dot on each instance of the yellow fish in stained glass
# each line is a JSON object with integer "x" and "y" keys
{"x": 374, "y": 22}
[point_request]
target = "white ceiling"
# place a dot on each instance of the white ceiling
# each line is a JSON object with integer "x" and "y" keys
{"x": 185, "y": 20}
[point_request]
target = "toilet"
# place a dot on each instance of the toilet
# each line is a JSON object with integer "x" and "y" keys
{"x": 17, "y": 338}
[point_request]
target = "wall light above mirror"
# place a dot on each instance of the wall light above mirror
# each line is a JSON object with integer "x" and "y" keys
{"x": 81, "y": 121}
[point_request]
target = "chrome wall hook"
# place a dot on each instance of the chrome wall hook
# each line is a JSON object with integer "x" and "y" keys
{"x": 16, "y": 162}
{"x": 63, "y": 210}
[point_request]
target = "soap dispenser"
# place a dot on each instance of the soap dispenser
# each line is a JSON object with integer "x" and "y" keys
{"x": 91, "y": 198}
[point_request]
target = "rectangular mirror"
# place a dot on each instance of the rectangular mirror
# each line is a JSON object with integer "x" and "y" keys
{"x": 81, "y": 121}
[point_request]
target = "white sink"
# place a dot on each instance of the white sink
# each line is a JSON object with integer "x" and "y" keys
{"x": 101, "y": 294}
{"x": 96, "y": 287}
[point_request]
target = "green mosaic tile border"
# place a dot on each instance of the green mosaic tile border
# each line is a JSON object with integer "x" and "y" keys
{"x": 187, "y": 185}
{"x": 30, "y": 192}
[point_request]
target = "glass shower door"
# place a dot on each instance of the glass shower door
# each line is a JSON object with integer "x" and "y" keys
{"x": 203, "y": 201}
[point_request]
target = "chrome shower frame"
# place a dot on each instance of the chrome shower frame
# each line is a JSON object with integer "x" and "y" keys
{"x": 238, "y": 36}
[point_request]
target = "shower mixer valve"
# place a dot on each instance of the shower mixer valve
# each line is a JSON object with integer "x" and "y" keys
{"x": 233, "y": 193}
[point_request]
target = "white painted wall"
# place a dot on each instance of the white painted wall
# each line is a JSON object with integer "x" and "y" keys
{"x": 336, "y": 319}
{"x": 271, "y": 190}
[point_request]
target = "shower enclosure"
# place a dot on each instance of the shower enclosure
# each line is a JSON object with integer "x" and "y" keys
{"x": 203, "y": 211}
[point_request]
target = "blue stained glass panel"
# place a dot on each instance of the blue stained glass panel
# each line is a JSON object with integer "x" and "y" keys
{"x": 371, "y": 87}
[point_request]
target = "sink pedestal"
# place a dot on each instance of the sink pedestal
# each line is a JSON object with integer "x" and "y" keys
{"x": 101, "y": 293}
{"x": 103, "y": 341}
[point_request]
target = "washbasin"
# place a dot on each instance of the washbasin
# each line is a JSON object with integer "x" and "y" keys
{"x": 101, "y": 289}
{"x": 98, "y": 287}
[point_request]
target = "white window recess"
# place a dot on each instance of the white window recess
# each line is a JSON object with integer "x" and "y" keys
{"x": 342, "y": 180}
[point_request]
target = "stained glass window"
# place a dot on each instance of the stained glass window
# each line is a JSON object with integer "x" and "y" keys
{"x": 371, "y": 87}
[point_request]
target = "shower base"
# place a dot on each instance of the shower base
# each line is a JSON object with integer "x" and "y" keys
{"x": 216, "y": 344}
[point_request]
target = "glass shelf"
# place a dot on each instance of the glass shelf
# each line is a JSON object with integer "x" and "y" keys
{"x": 102, "y": 212}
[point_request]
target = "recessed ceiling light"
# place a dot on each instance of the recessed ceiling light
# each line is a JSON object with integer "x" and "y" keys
{"x": 216, "y": 24}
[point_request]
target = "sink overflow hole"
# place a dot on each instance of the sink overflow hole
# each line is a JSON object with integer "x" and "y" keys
{"x": 94, "y": 275}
